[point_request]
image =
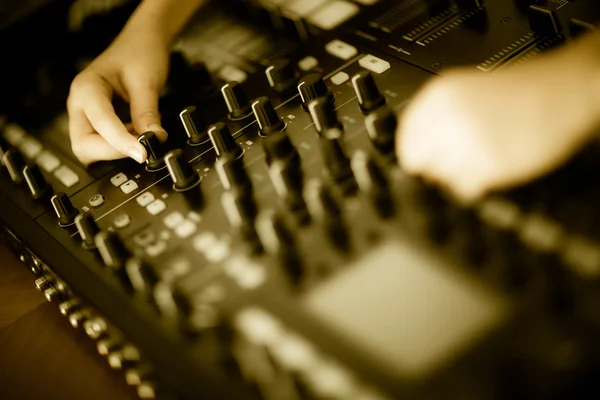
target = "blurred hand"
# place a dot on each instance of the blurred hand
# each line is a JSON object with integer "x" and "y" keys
{"x": 134, "y": 67}
{"x": 473, "y": 132}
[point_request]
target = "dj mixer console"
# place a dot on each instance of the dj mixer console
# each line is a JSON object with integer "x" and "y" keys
{"x": 273, "y": 249}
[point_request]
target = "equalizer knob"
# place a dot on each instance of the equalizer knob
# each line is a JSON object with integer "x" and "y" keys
{"x": 223, "y": 141}
{"x": 266, "y": 116}
{"x": 337, "y": 163}
{"x": 288, "y": 181}
{"x": 65, "y": 211}
{"x": 312, "y": 87}
{"x": 111, "y": 249}
{"x": 37, "y": 184}
{"x": 189, "y": 119}
{"x": 373, "y": 182}
{"x": 367, "y": 93}
{"x": 323, "y": 115}
{"x": 182, "y": 173}
{"x": 87, "y": 228}
{"x": 282, "y": 75}
{"x": 324, "y": 207}
{"x": 14, "y": 162}
{"x": 236, "y": 100}
{"x": 381, "y": 126}
{"x": 278, "y": 240}
{"x": 232, "y": 173}
{"x": 156, "y": 152}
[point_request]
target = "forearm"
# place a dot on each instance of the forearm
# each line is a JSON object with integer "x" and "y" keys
{"x": 164, "y": 18}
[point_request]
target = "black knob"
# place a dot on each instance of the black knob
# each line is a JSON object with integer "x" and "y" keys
{"x": 266, "y": 116}
{"x": 190, "y": 120}
{"x": 155, "y": 150}
{"x": 288, "y": 181}
{"x": 39, "y": 187}
{"x": 236, "y": 100}
{"x": 111, "y": 249}
{"x": 367, "y": 93}
{"x": 373, "y": 183}
{"x": 381, "y": 126}
{"x": 232, "y": 173}
{"x": 14, "y": 162}
{"x": 312, "y": 87}
{"x": 278, "y": 240}
{"x": 182, "y": 173}
{"x": 282, "y": 75}
{"x": 241, "y": 210}
{"x": 323, "y": 115}
{"x": 87, "y": 228}
{"x": 65, "y": 211}
{"x": 544, "y": 20}
{"x": 337, "y": 163}
{"x": 325, "y": 208}
{"x": 223, "y": 141}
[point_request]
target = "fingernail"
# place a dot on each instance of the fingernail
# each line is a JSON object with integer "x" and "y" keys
{"x": 136, "y": 154}
{"x": 156, "y": 127}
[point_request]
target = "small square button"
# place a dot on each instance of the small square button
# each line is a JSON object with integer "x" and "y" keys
{"x": 118, "y": 179}
{"x": 30, "y": 147}
{"x": 230, "y": 73}
{"x": 47, "y": 161}
{"x": 156, "y": 207}
{"x": 129, "y": 186}
{"x": 333, "y": 14}
{"x": 374, "y": 64}
{"x": 340, "y": 78}
{"x": 185, "y": 229}
{"x": 122, "y": 221}
{"x": 308, "y": 63}
{"x": 144, "y": 199}
{"x": 66, "y": 176}
{"x": 340, "y": 49}
{"x": 173, "y": 219}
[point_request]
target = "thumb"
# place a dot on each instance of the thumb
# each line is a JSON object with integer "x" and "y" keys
{"x": 144, "y": 111}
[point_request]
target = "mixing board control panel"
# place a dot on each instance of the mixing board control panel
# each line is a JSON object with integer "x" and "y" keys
{"x": 273, "y": 249}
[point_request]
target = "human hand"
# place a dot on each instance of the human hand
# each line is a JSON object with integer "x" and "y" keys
{"x": 134, "y": 67}
{"x": 474, "y": 133}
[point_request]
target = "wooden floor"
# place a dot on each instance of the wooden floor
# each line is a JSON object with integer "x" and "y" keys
{"x": 41, "y": 356}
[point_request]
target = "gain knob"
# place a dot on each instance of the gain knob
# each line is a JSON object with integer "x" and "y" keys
{"x": 278, "y": 240}
{"x": 14, "y": 162}
{"x": 373, "y": 182}
{"x": 87, "y": 228}
{"x": 367, "y": 93}
{"x": 190, "y": 122}
{"x": 236, "y": 100}
{"x": 223, "y": 142}
{"x": 156, "y": 152}
{"x": 282, "y": 75}
{"x": 64, "y": 209}
{"x": 381, "y": 126}
{"x": 312, "y": 87}
{"x": 266, "y": 116}
{"x": 324, "y": 115}
{"x": 182, "y": 173}
{"x": 288, "y": 181}
{"x": 38, "y": 186}
{"x": 111, "y": 249}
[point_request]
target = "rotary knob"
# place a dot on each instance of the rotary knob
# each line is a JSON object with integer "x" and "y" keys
{"x": 373, "y": 183}
{"x": 155, "y": 150}
{"x": 337, "y": 163}
{"x": 183, "y": 175}
{"x": 14, "y": 162}
{"x": 266, "y": 116}
{"x": 367, "y": 93}
{"x": 278, "y": 240}
{"x": 190, "y": 122}
{"x": 325, "y": 208}
{"x": 87, "y": 228}
{"x": 236, "y": 100}
{"x": 223, "y": 141}
{"x": 64, "y": 209}
{"x": 324, "y": 115}
{"x": 37, "y": 184}
{"x": 111, "y": 249}
{"x": 381, "y": 126}
{"x": 282, "y": 75}
{"x": 312, "y": 87}
{"x": 232, "y": 173}
{"x": 288, "y": 181}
